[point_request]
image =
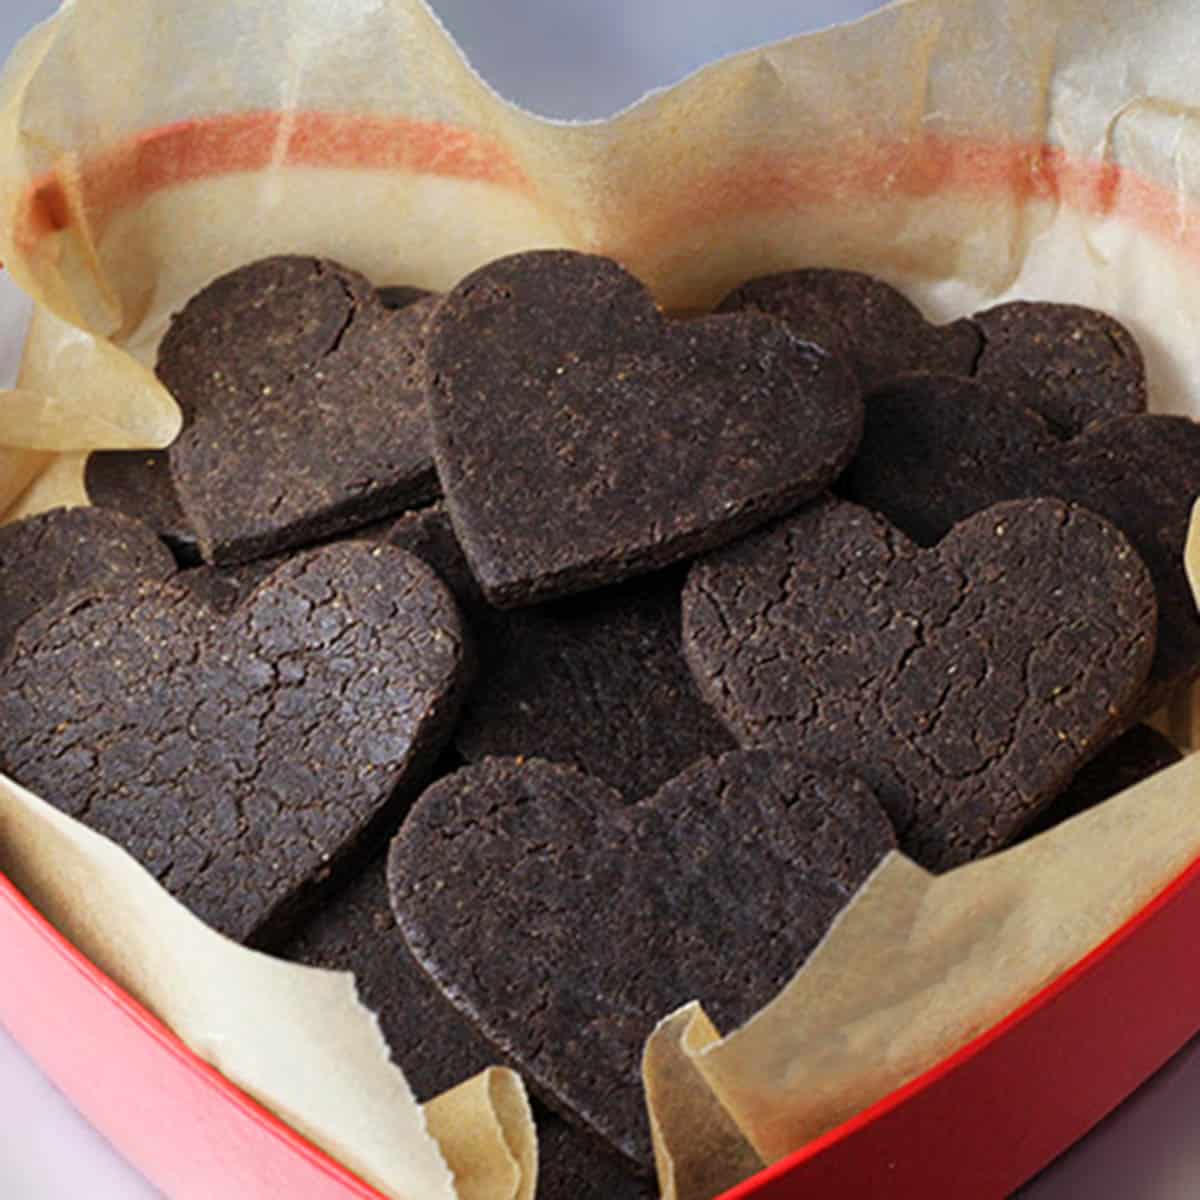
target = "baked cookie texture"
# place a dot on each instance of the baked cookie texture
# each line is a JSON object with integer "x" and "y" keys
{"x": 564, "y": 921}
{"x": 1071, "y": 364}
{"x": 966, "y": 682}
{"x": 878, "y": 331}
{"x": 240, "y": 759}
{"x": 302, "y": 396}
{"x": 581, "y": 437}
{"x": 937, "y": 449}
{"x": 597, "y": 682}
{"x": 47, "y": 557}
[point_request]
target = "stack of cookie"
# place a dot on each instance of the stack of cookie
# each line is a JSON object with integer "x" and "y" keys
{"x": 549, "y": 662}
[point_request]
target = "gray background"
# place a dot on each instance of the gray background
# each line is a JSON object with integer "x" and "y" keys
{"x": 588, "y": 58}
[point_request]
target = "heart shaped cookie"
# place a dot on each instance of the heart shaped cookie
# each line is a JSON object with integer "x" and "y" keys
{"x": 240, "y": 758}
{"x": 937, "y": 449}
{"x": 435, "y": 1046}
{"x": 46, "y": 557}
{"x": 303, "y": 410}
{"x": 581, "y": 437}
{"x": 876, "y": 330}
{"x": 966, "y": 683}
{"x": 564, "y": 922}
{"x": 139, "y": 482}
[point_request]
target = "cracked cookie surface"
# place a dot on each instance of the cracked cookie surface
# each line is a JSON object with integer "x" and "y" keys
{"x": 966, "y": 683}
{"x": 303, "y": 412}
{"x": 46, "y": 557}
{"x": 936, "y": 449}
{"x": 581, "y": 437}
{"x": 565, "y": 921}
{"x": 239, "y": 758}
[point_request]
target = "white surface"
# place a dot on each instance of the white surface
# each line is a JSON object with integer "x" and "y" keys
{"x": 587, "y": 58}
{"x": 48, "y": 1151}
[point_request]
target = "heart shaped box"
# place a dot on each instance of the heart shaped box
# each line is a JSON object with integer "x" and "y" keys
{"x": 978, "y": 1124}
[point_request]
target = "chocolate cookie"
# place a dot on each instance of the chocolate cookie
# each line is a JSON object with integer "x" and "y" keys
{"x": 224, "y": 588}
{"x": 1134, "y": 756}
{"x": 429, "y": 535}
{"x": 874, "y": 328}
{"x": 303, "y": 411}
{"x": 138, "y": 483}
{"x": 573, "y": 1165}
{"x": 355, "y": 931}
{"x": 46, "y": 557}
{"x": 1071, "y": 364}
{"x": 597, "y": 682}
{"x": 967, "y": 683}
{"x": 565, "y": 922}
{"x": 936, "y": 450}
{"x": 435, "y": 1046}
{"x": 581, "y": 437}
{"x": 240, "y": 759}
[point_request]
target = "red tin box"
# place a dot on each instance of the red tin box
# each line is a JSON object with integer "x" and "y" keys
{"x": 977, "y": 1124}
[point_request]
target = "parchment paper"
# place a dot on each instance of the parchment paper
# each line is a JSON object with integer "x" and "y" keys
{"x": 284, "y": 1033}
{"x": 968, "y": 151}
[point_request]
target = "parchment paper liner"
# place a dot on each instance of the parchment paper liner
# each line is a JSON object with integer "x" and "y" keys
{"x": 967, "y": 150}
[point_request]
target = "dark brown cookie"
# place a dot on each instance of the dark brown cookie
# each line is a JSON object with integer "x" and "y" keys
{"x": 573, "y": 1165}
{"x": 138, "y": 483}
{"x": 936, "y": 450}
{"x": 303, "y": 409}
{"x": 1071, "y": 364}
{"x": 224, "y": 588}
{"x": 433, "y": 1044}
{"x": 597, "y": 682}
{"x": 582, "y": 438}
{"x": 46, "y": 557}
{"x": 565, "y": 922}
{"x": 967, "y": 683}
{"x": 1134, "y": 756}
{"x": 429, "y": 535}
{"x": 355, "y": 931}
{"x": 872, "y": 326}
{"x": 240, "y": 758}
